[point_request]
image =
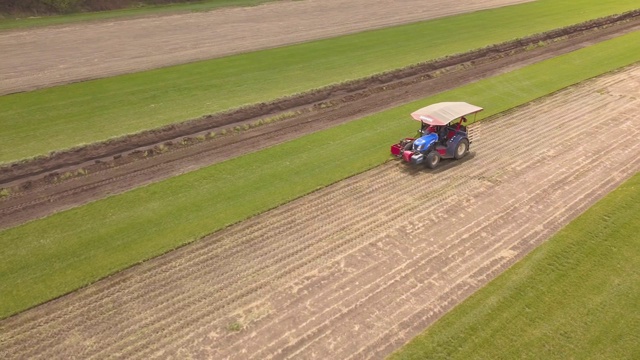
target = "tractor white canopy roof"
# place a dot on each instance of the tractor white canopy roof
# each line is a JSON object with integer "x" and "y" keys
{"x": 444, "y": 112}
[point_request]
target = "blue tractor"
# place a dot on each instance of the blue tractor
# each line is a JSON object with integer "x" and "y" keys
{"x": 442, "y": 134}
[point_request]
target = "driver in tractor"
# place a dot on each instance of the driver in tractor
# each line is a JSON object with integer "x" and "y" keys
{"x": 441, "y": 131}
{"x": 442, "y": 134}
{"x": 427, "y": 129}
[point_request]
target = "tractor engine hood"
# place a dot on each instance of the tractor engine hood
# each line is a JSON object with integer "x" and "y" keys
{"x": 421, "y": 144}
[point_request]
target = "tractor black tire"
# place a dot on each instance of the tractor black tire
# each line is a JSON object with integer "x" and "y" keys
{"x": 461, "y": 149}
{"x": 408, "y": 146}
{"x": 432, "y": 160}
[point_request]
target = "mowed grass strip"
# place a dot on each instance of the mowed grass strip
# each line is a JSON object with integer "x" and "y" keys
{"x": 11, "y": 22}
{"x": 46, "y": 258}
{"x": 575, "y": 297}
{"x": 38, "y": 122}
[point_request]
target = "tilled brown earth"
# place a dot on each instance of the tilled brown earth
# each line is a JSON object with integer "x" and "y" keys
{"x": 358, "y": 268}
{"x": 42, "y": 194}
{"x": 43, "y": 57}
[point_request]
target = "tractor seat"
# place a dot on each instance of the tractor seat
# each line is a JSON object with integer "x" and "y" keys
{"x": 451, "y": 134}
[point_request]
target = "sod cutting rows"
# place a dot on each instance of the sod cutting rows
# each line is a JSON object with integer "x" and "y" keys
{"x": 38, "y": 122}
{"x": 358, "y": 268}
{"x": 577, "y": 296}
{"x": 49, "y": 257}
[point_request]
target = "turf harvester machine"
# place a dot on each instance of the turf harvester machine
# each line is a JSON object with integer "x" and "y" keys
{"x": 440, "y": 136}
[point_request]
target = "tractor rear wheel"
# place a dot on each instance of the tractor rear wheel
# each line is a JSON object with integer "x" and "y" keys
{"x": 461, "y": 149}
{"x": 433, "y": 159}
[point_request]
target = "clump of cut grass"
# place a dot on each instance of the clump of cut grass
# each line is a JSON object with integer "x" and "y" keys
{"x": 65, "y": 176}
{"x": 161, "y": 148}
{"x": 279, "y": 117}
{"x": 533, "y": 46}
{"x": 235, "y": 326}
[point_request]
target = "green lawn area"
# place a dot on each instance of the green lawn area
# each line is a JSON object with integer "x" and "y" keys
{"x": 575, "y": 297}
{"x": 46, "y": 258}
{"x": 9, "y": 22}
{"x": 38, "y": 122}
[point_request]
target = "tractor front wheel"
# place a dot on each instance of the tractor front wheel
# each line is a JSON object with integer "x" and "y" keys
{"x": 433, "y": 159}
{"x": 461, "y": 149}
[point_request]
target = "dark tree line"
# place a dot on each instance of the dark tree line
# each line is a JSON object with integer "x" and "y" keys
{"x": 50, "y": 7}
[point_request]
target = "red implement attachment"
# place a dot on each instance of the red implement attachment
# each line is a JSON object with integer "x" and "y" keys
{"x": 406, "y": 156}
{"x": 397, "y": 149}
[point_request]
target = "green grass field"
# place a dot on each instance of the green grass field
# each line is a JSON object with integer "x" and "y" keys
{"x": 575, "y": 297}
{"x": 10, "y": 22}
{"x": 38, "y": 122}
{"x": 46, "y": 258}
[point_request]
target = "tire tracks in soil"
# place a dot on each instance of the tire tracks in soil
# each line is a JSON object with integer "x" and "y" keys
{"x": 359, "y": 267}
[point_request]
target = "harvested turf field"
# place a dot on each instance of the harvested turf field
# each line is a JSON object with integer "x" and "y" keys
{"x": 318, "y": 247}
{"x": 577, "y": 296}
{"x": 360, "y": 267}
{"x": 93, "y": 241}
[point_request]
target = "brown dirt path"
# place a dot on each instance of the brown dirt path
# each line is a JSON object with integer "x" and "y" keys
{"x": 44, "y": 57}
{"x": 358, "y": 268}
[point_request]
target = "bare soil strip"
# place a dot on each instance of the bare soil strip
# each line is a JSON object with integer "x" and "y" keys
{"x": 44, "y": 57}
{"x": 44, "y": 193}
{"x": 358, "y": 268}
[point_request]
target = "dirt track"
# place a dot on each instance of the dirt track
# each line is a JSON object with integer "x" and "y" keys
{"x": 45, "y": 57}
{"x": 117, "y": 175}
{"x": 358, "y": 268}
